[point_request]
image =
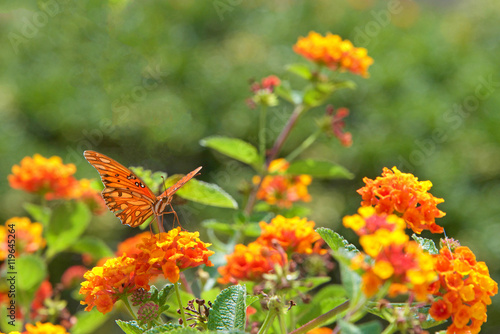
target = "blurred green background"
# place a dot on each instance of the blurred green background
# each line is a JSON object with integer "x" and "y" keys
{"x": 143, "y": 82}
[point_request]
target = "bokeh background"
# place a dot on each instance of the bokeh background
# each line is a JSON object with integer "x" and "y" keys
{"x": 143, "y": 82}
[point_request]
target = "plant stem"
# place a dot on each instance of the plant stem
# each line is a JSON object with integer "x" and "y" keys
{"x": 321, "y": 319}
{"x": 268, "y": 321}
{"x": 299, "y": 109}
{"x": 282, "y": 323}
{"x": 127, "y": 304}
{"x": 262, "y": 132}
{"x": 178, "y": 294}
{"x": 305, "y": 144}
{"x": 285, "y": 132}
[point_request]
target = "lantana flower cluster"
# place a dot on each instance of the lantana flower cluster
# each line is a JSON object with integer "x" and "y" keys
{"x": 54, "y": 180}
{"x": 334, "y": 53}
{"x": 404, "y": 194}
{"x": 279, "y": 239}
{"x": 264, "y": 92}
{"x": 463, "y": 290}
{"x": 389, "y": 256}
{"x": 281, "y": 189}
{"x": 29, "y": 237}
{"x": 168, "y": 253}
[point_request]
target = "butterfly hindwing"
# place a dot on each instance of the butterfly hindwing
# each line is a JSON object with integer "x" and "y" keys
{"x": 125, "y": 193}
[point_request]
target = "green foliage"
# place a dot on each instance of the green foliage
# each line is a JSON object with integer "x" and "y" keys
{"x": 234, "y": 148}
{"x": 31, "y": 271}
{"x": 372, "y": 327}
{"x": 204, "y": 193}
{"x": 39, "y": 213}
{"x": 67, "y": 223}
{"x": 88, "y": 321}
{"x": 427, "y": 244}
{"x": 228, "y": 312}
{"x": 93, "y": 246}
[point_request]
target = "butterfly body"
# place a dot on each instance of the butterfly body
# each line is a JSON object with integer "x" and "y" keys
{"x": 127, "y": 196}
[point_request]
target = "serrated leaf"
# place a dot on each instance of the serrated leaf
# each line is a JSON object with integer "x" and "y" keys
{"x": 129, "y": 327}
{"x": 88, "y": 321}
{"x": 426, "y": 244}
{"x": 68, "y": 221}
{"x": 39, "y": 213}
{"x": 301, "y": 70}
{"x": 93, "y": 246}
{"x": 234, "y": 148}
{"x": 204, "y": 193}
{"x": 319, "y": 169}
{"x": 335, "y": 240}
{"x": 167, "y": 328}
{"x": 163, "y": 294}
{"x": 31, "y": 271}
{"x": 351, "y": 281}
{"x": 229, "y": 310}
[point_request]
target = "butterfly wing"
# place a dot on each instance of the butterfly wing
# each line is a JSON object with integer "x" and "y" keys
{"x": 171, "y": 190}
{"x": 125, "y": 194}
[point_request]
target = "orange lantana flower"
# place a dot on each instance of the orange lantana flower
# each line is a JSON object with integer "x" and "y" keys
{"x": 249, "y": 263}
{"x": 333, "y": 52}
{"x": 129, "y": 246}
{"x": 46, "y": 328}
{"x": 395, "y": 259}
{"x": 465, "y": 288}
{"x": 403, "y": 193}
{"x": 173, "y": 252}
{"x": 85, "y": 192}
{"x": 49, "y": 177}
{"x": 281, "y": 189}
{"x": 105, "y": 284}
{"x": 294, "y": 235}
{"x": 28, "y": 236}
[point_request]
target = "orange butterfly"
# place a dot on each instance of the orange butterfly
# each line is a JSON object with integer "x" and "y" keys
{"x": 127, "y": 196}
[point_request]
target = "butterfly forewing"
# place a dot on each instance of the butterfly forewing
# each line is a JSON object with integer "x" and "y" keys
{"x": 171, "y": 190}
{"x": 125, "y": 194}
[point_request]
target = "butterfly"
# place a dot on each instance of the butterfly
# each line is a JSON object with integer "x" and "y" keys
{"x": 127, "y": 196}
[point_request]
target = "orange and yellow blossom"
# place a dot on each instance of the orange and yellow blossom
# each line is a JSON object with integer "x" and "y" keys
{"x": 295, "y": 235}
{"x": 49, "y": 177}
{"x": 403, "y": 193}
{"x": 106, "y": 284}
{"x": 85, "y": 192}
{"x": 463, "y": 290}
{"x": 170, "y": 253}
{"x": 395, "y": 259}
{"x": 45, "y": 328}
{"x": 280, "y": 189}
{"x": 250, "y": 263}
{"x": 28, "y": 236}
{"x": 333, "y": 52}
{"x": 129, "y": 245}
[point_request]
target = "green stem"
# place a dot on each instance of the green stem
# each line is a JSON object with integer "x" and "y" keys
{"x": 124, "y": 299}
{"x": 282, "y": 323}
{"x": 262, "y": 132}
{"x": 321, "y": 319}
{"x": 302, "y": 147}
{"x": 178, "y": 294}
{"x": 268, "y": 321}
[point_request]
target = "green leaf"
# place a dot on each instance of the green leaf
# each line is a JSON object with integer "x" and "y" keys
{"x": 319, "y": 169}
{"x": 317, "y": 94}
{"x": 69, "y": 220}
{"x": 372, "y": 327}
{"x": 93, "y": 246}
{"x": 31, "y": 271}
{"x": 88, "y": 321}
{"x": 218, "y": 226}
{"x": 130, "y": 327}
{"x": 167, "y": 328}
{"x": 5, "y": 318}
{"x": 285, "y": 92}
{"x": 311, "y": 283}
{"x": 351, "y": 281}
{"x": 234, "y": 148}
{"x": 162, "y": 295}
{"x": 204, "y": 193}
{"x": 427, "y": 244}
{"x": 229, "y": 310}
{"x": 326, "y": 299}
{"x": 39, "y": 213}
{"x": 301, "y": 70}
{"x": 336, "y": 241}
